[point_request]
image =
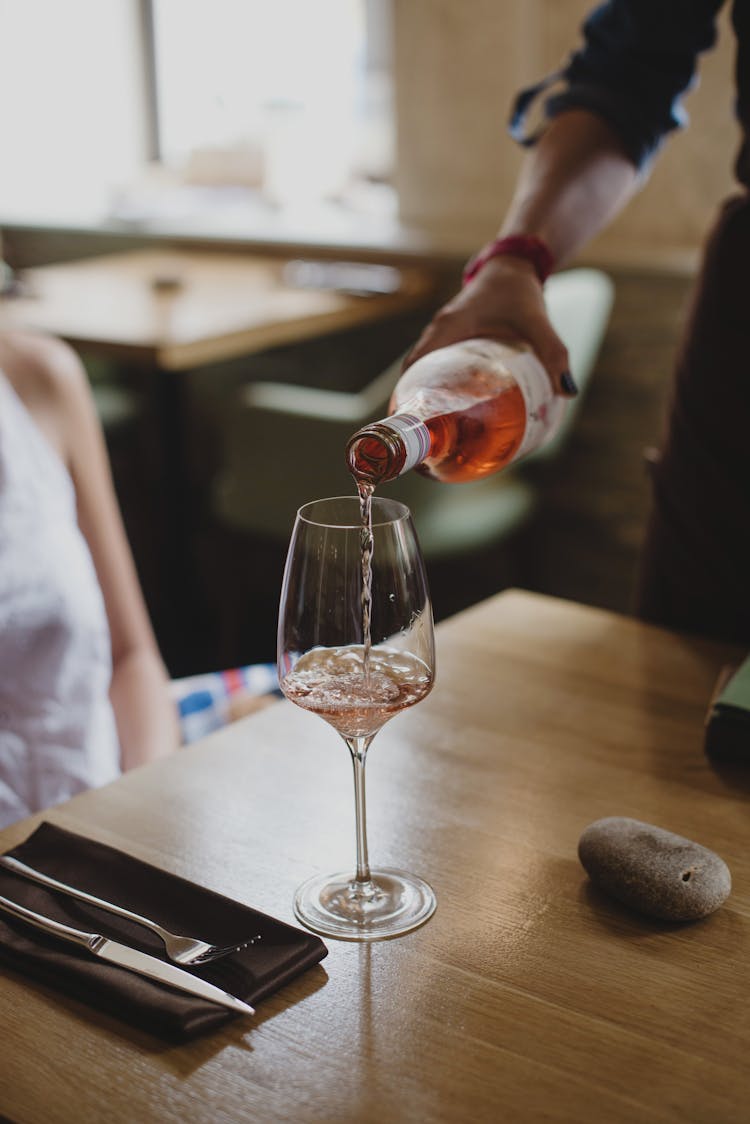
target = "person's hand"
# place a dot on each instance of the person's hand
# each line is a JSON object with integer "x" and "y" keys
{"x": 504, "y": 301}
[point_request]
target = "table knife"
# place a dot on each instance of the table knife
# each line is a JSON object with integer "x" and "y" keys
{"x": 125, "y": 957}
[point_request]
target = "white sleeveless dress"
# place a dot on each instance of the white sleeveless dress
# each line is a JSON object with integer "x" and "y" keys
{"x": 57, "y": 729}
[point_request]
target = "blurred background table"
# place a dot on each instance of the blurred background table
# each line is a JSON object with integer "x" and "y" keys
{"x": 528, "y": 996}
{"x": 174, "y": 309}
{"x": 159, "y": 314}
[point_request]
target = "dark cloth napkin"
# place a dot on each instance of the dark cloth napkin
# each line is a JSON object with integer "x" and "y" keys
{"x": 280, "y": 951}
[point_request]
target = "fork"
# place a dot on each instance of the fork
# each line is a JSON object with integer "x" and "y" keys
{"x": 180, "y": 949}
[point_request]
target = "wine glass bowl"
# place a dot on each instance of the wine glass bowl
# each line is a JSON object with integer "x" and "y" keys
{"x": 356, "y": 646}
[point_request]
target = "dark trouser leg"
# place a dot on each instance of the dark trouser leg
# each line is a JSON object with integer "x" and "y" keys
{"x": 695, "y": 572}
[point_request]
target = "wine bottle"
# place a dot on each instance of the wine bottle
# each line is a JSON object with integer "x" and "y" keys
{"x": 458, "y": 414}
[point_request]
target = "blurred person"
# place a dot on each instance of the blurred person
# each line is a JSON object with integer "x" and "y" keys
{"x": 606, "y": 116}
{"x": 84, "y": 693}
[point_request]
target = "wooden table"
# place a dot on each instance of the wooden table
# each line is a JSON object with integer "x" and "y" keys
{"x": 528, "y": 996}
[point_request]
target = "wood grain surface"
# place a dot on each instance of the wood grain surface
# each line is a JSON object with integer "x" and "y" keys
{"x": 178, "y": 308}
{"x": 528, "y": 996}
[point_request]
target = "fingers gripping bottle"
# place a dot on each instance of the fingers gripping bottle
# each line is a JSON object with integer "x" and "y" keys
{"x": 458, "y": 414}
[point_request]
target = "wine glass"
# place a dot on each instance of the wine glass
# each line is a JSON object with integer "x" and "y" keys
{"x": 356, "y": 646}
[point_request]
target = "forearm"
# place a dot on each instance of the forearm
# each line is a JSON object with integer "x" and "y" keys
{"x": 145, "y": 715}
{"x": 574, "y": 181}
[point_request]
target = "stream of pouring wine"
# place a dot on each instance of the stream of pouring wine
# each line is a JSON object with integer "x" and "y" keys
{"x": 367, "y": 540}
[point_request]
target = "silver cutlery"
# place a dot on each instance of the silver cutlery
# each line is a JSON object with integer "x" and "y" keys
{"x": 181, "y": 949}
{"x": 125, "y": 957}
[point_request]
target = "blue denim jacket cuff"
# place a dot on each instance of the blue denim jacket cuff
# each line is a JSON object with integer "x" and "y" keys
{"x": 639, "y": 142}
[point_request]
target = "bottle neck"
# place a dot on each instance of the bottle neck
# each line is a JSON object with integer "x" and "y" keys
{"x": 385, "y": 449}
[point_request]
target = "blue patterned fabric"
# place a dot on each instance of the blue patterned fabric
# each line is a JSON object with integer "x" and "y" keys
{"x": 204, "y": 701}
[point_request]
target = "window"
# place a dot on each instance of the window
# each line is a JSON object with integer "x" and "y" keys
{"x": 286, "y": 85}
{"x": 290, "y": 98}
{"x": 72, "y": 120}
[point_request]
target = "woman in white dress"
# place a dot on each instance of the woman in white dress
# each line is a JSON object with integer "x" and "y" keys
{"x": 83, "y": 690}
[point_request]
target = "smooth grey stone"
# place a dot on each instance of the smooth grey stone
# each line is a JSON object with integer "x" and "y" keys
{"x": 653, "y": 870}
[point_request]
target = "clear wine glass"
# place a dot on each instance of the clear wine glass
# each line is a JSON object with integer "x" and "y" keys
{"x": 328, "y": 665}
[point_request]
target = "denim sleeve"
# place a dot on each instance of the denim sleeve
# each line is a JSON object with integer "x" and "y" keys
{"x": 638, "y": 59}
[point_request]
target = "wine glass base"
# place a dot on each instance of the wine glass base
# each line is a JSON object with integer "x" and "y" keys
{"x": 390, "y": 904}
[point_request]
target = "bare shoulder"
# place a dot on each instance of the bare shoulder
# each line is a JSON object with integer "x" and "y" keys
{"x": 40, "y": 368}
{"x": 50, "y": 380}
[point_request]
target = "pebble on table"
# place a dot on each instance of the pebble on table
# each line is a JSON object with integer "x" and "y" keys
{"x": 653, "y": 870}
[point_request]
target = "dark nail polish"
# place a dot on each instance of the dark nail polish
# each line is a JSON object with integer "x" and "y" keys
{"x": 567, "y": 382}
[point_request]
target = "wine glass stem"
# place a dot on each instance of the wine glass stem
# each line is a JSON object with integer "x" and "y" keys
{"x": 358, "y": 748}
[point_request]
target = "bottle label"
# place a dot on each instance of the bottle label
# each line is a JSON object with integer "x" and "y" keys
{"x": 415, "y": 436}
{"x": 544, "y": 410}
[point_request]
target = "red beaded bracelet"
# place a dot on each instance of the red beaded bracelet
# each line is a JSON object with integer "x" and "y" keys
{"x": 526, "y": 246}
